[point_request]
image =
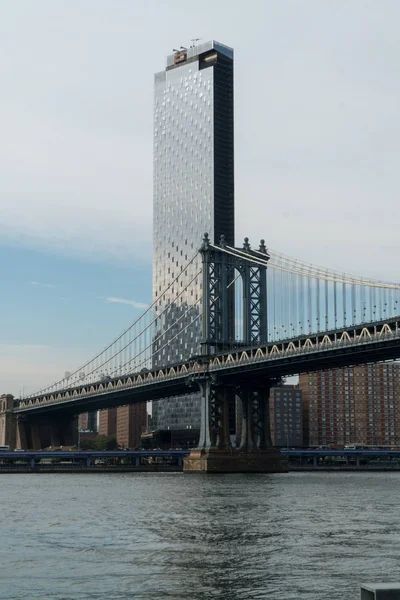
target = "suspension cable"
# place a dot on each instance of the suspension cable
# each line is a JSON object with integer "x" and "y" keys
{"x": 124, "y": 332}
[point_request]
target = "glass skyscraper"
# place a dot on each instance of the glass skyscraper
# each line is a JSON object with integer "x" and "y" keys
{"x": 193, "y": 194}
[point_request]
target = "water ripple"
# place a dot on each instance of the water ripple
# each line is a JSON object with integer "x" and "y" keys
{"x": 303, "y": 536}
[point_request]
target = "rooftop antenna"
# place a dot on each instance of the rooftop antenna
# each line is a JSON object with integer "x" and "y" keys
{"x": 194, "y": 40}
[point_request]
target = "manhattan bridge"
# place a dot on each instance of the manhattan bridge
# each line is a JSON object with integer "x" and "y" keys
{"x": 262, "y": 316}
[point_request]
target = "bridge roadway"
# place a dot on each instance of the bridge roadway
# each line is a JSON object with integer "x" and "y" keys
{"x": 355, "y": 455}
{"x": 345, "y": 453}
{"x": 351, "y": 345}
{"x": 88, "y": 456}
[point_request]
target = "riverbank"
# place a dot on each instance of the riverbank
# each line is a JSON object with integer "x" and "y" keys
{"x": 325, "y": 468}
{"x": 48, "y": 469}
{"x": 84, "y": 470}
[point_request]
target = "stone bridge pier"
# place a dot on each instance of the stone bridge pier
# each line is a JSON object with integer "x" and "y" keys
{"x": 214, "y": 453}
{"x": 7, "y": 421}
{"x": 39, "y": 433}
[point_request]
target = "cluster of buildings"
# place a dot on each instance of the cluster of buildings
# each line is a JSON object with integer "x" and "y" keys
{"x": 335, "y": 408}
{"x": 351, "y": 405}
{"x": 126, "y": 423}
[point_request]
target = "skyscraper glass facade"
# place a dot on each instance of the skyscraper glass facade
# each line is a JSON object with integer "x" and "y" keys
{"x": 193, "y": 194}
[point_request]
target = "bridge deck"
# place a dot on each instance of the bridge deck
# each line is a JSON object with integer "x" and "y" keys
{"x": 348, "y": 346}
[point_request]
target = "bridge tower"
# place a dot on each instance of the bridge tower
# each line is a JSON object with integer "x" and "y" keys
{"x": 7, "y": 421}
{"x": 221, "y": 269}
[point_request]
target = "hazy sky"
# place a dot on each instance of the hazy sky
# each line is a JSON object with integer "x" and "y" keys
{"x": 317, "y": 91}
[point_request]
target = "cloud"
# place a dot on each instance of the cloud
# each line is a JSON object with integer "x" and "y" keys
{"x": 47, "y": 285}
{"x": 125, "y": 301}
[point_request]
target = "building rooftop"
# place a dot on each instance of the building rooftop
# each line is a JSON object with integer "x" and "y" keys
{"x": 197, "y": 49}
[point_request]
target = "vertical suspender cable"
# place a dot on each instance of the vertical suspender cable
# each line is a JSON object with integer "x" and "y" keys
{"x": 371, "y": 304}
{"x": 269, "y": 303}
{"x": 335, "y": 302}
{"x": 363, "y": 306}
{"x": 386, "y": 306}
{"x": 309, "y": 302}
{"x": 326, "y": 302}
{"x": 293, "y": 318}
{"x": 281, "y": 304}
{"x": 305, "y": 304}
{"x": 296, "y": 305}
{"x": 273, "y": 329}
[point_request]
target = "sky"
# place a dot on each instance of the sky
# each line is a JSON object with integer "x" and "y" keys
{"x": 317, "y": 130}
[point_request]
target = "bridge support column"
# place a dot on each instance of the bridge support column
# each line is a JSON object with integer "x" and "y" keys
{"x": 22, "y": 434}
{"x": 214, "y": 453}
{"x": 205, "y": 429}
{"x": 55, "y": 441}
{"x": 69, "y": 431}
{"x": 260, "y": 421}
{"x": 221, "y": 419}
{"x": 246, "y": 439}
{"x": 35, "y": 436}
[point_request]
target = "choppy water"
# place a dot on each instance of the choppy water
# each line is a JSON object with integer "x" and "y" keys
{"x": 146, "y": 536}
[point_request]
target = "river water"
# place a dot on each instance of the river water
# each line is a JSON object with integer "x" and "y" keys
{"x": 146, "y": 536}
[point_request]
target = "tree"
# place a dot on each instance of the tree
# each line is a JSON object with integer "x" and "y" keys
{"x": 88, "y": 444}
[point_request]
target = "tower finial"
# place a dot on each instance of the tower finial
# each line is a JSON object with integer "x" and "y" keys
{"x": 222, "y": 241}
{"x": 206, "y": 242}
{"x": 246, "y": 245}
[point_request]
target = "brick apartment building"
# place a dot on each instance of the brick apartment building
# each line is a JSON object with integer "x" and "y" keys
{"x": 353, "y": 405}
{"x": 126, "y": 422}
{"x": 131, "y": 423}
{"x": 108, "y": 421}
